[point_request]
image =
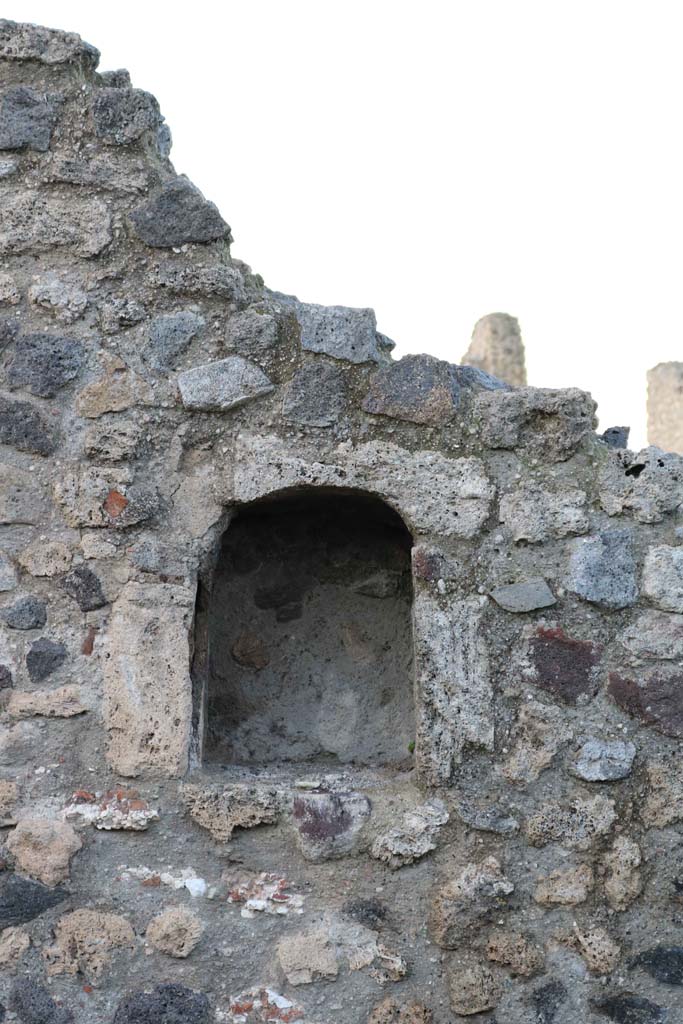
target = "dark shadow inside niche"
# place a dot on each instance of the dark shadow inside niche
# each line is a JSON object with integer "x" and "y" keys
{"x": 309, "y": 635}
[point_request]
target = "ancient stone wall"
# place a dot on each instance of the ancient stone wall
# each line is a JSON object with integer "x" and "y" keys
{"x": 520, "y": 856}
{"x": 497, "y": 348}
{"x": 665, "y": 406}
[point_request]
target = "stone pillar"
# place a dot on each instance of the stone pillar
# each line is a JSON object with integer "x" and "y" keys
{"x": 497, "y": 348}
{"x": 665, "y": 406}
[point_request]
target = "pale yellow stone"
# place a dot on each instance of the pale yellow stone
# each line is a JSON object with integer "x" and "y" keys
{"x": 65, "y": 702}
{"x": 43, "y": 849}
{"x": 175, "y": 932}
{"x": 84, "y": 942}
{"x": 14, "y": 942}
{"x": 46, "y": 558}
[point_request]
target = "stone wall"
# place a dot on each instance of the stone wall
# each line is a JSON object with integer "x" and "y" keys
{"x": 665, "y": 406}
{"x": 497, "y": 348}
{"x": 524, "y": 862}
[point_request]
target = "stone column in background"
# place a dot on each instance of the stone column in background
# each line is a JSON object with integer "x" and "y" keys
{"x": 498, "y": 349}
{"x": 665, "y": 406}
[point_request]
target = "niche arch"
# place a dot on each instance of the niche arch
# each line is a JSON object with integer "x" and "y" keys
{"x": 303, "y": 637}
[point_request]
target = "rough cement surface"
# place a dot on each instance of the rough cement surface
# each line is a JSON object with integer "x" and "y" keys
{"x": 375, "y": 783}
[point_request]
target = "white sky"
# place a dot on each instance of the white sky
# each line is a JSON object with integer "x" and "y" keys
{"x": 437, "y": 161}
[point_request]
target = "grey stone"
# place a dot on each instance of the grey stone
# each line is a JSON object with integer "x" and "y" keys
{"x": 122, "y": 115}
{"x": 44, "y": 363}
{"x": 168, "y": 337}
{"x": 338, "y": 331}
{"x": 663, "y": 963}
{"x": 548, "y": 1000}
{"x": 487, "y": 819}
{"x": 22, "y": 900}
{"x": 21, "y": 42}
{"x": 471, "y": 377}
{"x": 602, "y": 569}
{"x": 654, "y": 635}
{"x": 85, "y": 588}
{"x": 166, "y": 1004}
{"x": 8, "y": 573}
{"x": 65, "y": 299}
{"x": 316, "y": 396}
{"x": 178, "y": 214}
{"x": 252, "y": 333}
{"x": 44, "y": 657}
{"x": 419, "y": 389}
{"x": 524, "y": 597}
{"x": 6, "y": 681}
{"x": 26, "y": 613}
{"x": 547, "y": 423}
{"x": 616, "y": 437}
{"x": 33, "y": 1004}
{"x": 663, "y": 577}
{"x": 223, "y": 385}
{"x": 22, "y": 499}
{"x": 27, "y": 118}
{"x": 222, "y": 280}
{"x": 627, "y": 1008}
{"x": 604, "y": 760}
{"x": 647, "y": 484}
{"x": 23, "y": 427}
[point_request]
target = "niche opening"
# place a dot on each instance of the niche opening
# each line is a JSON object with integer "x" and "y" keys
{"x": 309, "y": 635}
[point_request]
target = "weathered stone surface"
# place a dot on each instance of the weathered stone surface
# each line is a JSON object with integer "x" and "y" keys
{"x": 604, "y": 760}
{"x": 316, "y": 395}
{"x": 563, "y": 666}
{"x": 388, "y": 1011}
{"x": 654, "y": 635}
{"x": 497, "y": 348}
{"x": 22, "y": 900}
{"x": 226, "y": 384}
{"x": 148, "y": 691}
{"x": 487, "y": 819}
{"x": 524, "y": 597}
{"x": 565, "y": 888}
{"x": 221, "y": 811}
{"x": 308, "y": 957}
{"x": 5, "y": 677}
{"x": 602, "y": 569}
{"x": 627, "y": 1008}
{"x": 248, "y": 650}
{"x": 37, "y": 222}
{"x": 221, "y": 280}
{"x": 65, "y": 299}
{"x": 646, "y": 485}
{"x": 533, "y": 513}
{"x": 27, "y": 118}
{"x": 252, "y": 333}
{"x": 33, "y": 1004}
{"x": 85, "y": 588}
{"x": 9, "y": 291}
{"x": 472, "y": 988}
{"x": 576, "y": 824}
{"x": 453, "y": 673}
{"x": 663, "y": 577}
{"x": 169, "y": 336}
{"x": 663, "y": 963}
{"x": 175, "y": 932}
{"x": 539, "y": 733}
{"x": 44, "y": 363}
{"x": 413, "y": 838}
{"x": 111, "y": 441}
{"x": 473, "y": 898}
{"x": 23, "y": 427}
{"x": 25, "y": 42}
{"x": 600, "y": 952}
{"x": 43, "y": 849}
{"x": 655, "y": 698}
{"x": 14, "y": 943}
{"x": 121, "y": 116}
{"x": 329, "y": 825}
{"x": 64, "y": 702}
{"x": 85, "y": 941}
{"x": 26, "y": 613}
{"x": 118, "y": 389}
{"x": 178, "y": 214}
{"x": 551, "y": 424}
{"x": 663, "y": 804}
{"x": 8, "y": 573}
{"x": 624, "y": 881}
{"x": 46, "y": 557}
{"x": 419, "y": 389}
{"x": 337, "y": 331}
{"x": 166, "y": 1004}
{"x": 514, "y": 951}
